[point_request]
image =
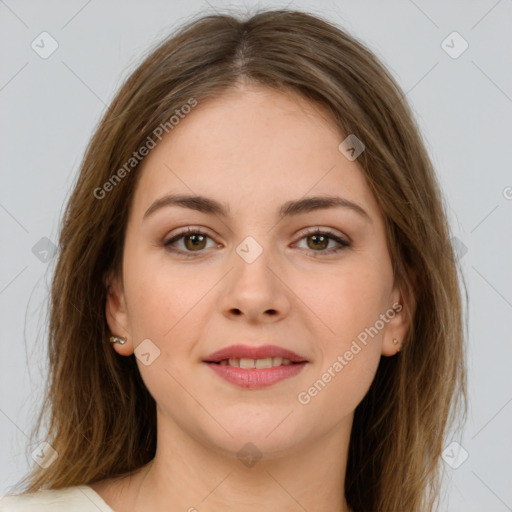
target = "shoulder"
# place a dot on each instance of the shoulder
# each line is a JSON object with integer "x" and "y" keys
{"x": 79, "y": 498}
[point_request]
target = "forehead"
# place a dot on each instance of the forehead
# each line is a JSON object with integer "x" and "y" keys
{"x": 252, "y": 145}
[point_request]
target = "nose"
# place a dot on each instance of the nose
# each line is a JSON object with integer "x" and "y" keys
{"x": 255, "y": 289}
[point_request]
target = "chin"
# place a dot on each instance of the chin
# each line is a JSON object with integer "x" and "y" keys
{"x": 270, "y": 434}
{"x": 250, "y": 447}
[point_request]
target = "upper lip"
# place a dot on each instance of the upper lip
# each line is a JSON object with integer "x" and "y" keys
{"x": 252, "y": 352}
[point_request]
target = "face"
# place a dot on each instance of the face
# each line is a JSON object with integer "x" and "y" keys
{"x": 259, "y": 269}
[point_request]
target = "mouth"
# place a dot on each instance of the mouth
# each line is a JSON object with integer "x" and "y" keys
{"x": 247, "y": 353}
{"x": 255, "y": 367}
{"x": 246, "y": 363}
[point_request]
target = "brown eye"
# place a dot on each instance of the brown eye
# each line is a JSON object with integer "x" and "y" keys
{"x": 318, "y": 242}
{"x": 193, "y": 241}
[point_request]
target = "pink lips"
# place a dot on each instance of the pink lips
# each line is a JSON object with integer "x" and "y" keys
{"x": 254, "y": 378}
{"x": 246, "y": 351}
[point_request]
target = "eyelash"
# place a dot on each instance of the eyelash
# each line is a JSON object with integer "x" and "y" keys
{"x": 329, "y": 234}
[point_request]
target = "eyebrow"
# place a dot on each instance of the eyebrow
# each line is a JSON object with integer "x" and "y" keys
{"x": 290, "y": 208}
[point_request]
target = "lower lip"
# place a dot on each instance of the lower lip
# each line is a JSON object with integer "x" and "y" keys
{"x": 254, "y": 378}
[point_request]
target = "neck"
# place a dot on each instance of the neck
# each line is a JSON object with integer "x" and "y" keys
{"x": 188, "y": 475}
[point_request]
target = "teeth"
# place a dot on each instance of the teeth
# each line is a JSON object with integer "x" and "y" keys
{"x": 263, "y": 363}
{"x": 246, "y": 363}
{"x": 268, "y": 362}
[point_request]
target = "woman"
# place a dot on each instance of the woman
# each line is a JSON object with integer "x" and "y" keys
{"x": 256, "y": 303}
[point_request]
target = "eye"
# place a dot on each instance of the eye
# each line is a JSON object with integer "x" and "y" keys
{"x": 194, "y": 240}
{"x": 318, "y": 241}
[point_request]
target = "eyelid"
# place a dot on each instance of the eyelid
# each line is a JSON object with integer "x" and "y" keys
{"x": 187, "y": 231}
{"x": 190, "y": 229}
{"x": 324, "y": 230}
{"x": 342, "y": 240}
{"x": 303, "y": 232}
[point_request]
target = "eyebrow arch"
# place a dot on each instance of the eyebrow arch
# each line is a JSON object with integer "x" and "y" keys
{"x": 290, "y": 208}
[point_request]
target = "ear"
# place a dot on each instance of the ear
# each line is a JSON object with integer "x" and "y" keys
{"x": 117, "y": 314}
{"x": 400, "y": 314}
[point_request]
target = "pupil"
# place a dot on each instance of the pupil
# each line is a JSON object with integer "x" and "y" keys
{"x": 316, "y": 237}
{"x": 194, "y": 239}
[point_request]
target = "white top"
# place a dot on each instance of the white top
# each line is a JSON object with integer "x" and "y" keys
{"x": 78, "y": 498}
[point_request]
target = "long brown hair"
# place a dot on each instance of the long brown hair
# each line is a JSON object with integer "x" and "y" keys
{"x": 101, "y": 418}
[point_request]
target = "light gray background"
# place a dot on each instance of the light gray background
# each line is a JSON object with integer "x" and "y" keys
{"x": 464, "y": 107}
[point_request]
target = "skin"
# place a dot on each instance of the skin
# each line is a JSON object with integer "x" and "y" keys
{"x": 253, "y": 149}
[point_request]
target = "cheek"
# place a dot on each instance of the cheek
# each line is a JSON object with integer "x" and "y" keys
{"x": 158, "y": 304}
{"x": 167, "y": 302}
{"x": 153, "y": 305}
{"x": 349, "y": 300}
{"x": 350, "y": 337}
{"x": 349, "y": 346}
{"x": 339, "y": 388}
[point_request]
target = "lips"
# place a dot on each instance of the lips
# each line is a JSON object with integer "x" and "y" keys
{"x": 249, "y": 352}
{"x": 255, "y": 367}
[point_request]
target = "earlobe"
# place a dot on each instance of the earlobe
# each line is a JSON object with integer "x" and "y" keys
{"x": 398, "y": 326}
{"x": 117, "y": 316}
